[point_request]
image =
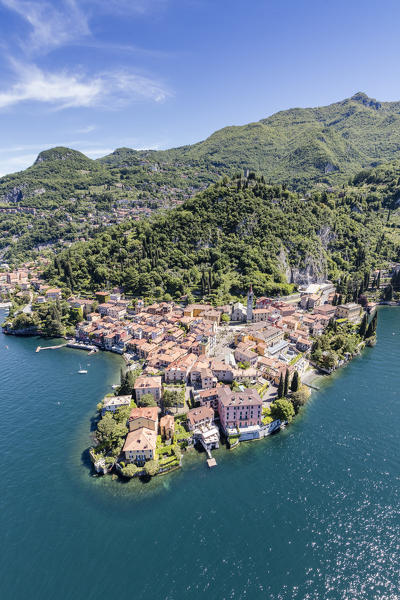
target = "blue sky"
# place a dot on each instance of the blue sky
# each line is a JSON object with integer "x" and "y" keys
{"x": 100, "y": 74}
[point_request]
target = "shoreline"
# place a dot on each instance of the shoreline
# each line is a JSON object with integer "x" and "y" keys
{"x": 310, "y": 380}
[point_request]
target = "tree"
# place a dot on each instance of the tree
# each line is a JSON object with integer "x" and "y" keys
{"x": 106, "y": 427}
{"x": 282, "y": 409}
{"x": 129, "y": 470}
{"x": 387, "y": 294}
{"x": 151, "y": 467}
{"x": 300, "y": 398}
{"x": 363, "y": 326}
{"x": 174, "y": 397}
{"x": 147, "y": 400}
{"x": 225, "y": 318}
{"x": 372, "y": 327}
{"x": 127, "y": 386}
{"x": 294, "y": 386}
{"x": 286, "y": 384}
{"x": 280, "y": 387}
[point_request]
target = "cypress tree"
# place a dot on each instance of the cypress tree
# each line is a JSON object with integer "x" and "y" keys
{"x": 363, "y": 326}
{"x": 294, "y": 386}
{"x": 388, "y": 293}
{"x": 372, "y": 327}
{"x": 286, "y": 384}
{"x": 370, "y": 331}
{"x": 280, "y": 387}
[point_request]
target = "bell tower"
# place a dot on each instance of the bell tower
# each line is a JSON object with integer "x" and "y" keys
{"x": 250, "y": 298}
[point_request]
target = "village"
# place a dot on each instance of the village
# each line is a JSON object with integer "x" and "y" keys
{"x": 199, "y": 373}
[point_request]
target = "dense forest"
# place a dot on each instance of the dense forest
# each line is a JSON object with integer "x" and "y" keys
{"x": 238, "y": 231}
{"x": 65, "y": 196}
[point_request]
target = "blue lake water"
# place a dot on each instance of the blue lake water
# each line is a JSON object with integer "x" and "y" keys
{"x": 311, "y": 513}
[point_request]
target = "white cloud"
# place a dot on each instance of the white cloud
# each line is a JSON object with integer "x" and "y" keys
{"x": 52, "y": 25}
{"x": 65, "y": 90}
{"x": 16, "y": 163}
{"x": 87, "y": 129}
{"x": 124, "y": 7}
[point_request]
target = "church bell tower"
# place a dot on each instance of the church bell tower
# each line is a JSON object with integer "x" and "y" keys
{"x": 250, "y": 298}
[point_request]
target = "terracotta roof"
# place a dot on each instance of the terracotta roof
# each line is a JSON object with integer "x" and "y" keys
{"x": 195, "y": 415}
{"x": 141, "y": 439}
{"x": 148, "y": 412}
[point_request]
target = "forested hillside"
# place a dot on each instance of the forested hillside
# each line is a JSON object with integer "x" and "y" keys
{"x": 299, "y": 147}
{"x": 239, "y": 231}
{"x": 65, "y": 196}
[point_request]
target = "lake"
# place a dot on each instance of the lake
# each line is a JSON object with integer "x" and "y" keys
{"x": 311, "y": 513}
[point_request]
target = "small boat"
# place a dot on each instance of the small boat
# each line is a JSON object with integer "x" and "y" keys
{"x": 82, "y": 371}
{"x": 115, "y": 387}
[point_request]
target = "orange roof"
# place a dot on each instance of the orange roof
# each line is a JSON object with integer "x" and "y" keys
{"x": 148, "y": 412}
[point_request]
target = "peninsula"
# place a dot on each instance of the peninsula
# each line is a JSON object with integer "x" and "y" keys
{"x": 199, "y": 375}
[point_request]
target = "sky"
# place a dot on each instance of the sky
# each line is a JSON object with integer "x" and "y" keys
{"x": 96, "y": 75}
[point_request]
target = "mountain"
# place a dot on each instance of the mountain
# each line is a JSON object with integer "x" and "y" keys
{"x": 298, "y": 147}
{"x": 65, "y": 196}
{"x": 241, "y": 231}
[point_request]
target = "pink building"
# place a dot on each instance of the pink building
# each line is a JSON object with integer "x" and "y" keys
{"x": 239, "y": 409}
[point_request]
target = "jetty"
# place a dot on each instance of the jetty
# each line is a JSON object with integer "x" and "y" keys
{"x": 39, "y": 348}
{"x": 313, "y": 387}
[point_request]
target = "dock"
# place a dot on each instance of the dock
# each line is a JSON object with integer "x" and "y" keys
{"x": 313, "y": 387}
{"x": 39, "y": 348}
{"x": 211, "y": 462}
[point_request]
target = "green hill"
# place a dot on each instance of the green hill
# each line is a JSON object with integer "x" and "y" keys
{"x": 241, "y": 231}
{"x": 65, "y": 196}
{"x": 297, "y": 147}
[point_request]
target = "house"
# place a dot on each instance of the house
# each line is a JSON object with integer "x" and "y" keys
{"x": 263, "y": 302}
{"x": 207, "y": 379}
{"x": 309, "y": 301}
{"x": 350, "y": 311}
{"x": 243, "y": 355}
{"x": 239, "y": 409}
{"x": 261, "y": 314}
{"x": 178, "y": 371}
{"x": 140, "y": 445}
{"x": 303, "y": 345}
{"x": 201, "y": 416}
{"x": 167, "y": 427}
{"x": 145, "y": 416}
{"x": 148, "y": 385}
{"x": 53, "y": 294}
{"x": 113, "y": 403}
{"x": 222, "y": 371}
{"x": 194, "y": 310}
{"x": 102, "y": 297}
{"x": 212, "y": 315}
{"x": 208, "y": 397}
{"x": 327, "y": 310}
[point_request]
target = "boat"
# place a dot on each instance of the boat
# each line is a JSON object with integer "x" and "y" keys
{"x": 82, "y": 371}
{"x": 115, "y": 387}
